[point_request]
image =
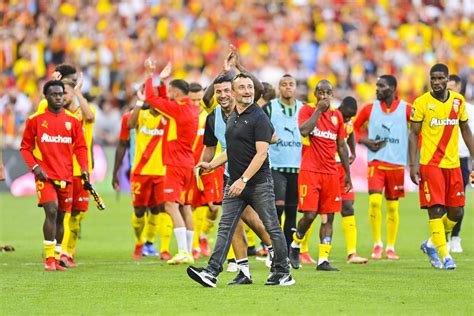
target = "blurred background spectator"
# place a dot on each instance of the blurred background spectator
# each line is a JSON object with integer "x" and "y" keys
{"x": 349, "y": 42}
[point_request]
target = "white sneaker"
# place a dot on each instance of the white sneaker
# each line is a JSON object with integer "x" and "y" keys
{"x": 455, "y": 244}
{"x": 232, "y": 267}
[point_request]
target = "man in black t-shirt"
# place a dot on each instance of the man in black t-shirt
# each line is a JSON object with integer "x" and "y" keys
{"x": 248, "y": 135}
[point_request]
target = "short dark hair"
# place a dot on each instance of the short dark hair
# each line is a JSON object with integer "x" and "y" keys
{"x": 52, "y": 83}
{"x": 65, "y": 69}
{"x": 195, "y": 87}
{"x": 180, "y": 84}
{"x": 391, "y": 80}
{"x": 454, "y": 78}
{"x": 268, "y": 92}
{"x": 227, "y": 77}
{"x": 440, "y": 68}
{"x": 287, "y": 76}
{"x": 241, "y": 75}
{"x": 349, "y": 103}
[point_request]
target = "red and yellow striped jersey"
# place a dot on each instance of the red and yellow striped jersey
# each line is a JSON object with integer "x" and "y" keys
{"x": 148, "y": 145}
{"x": 440, "y": 128}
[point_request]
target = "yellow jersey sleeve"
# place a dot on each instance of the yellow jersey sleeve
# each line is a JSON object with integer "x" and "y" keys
{"x": 418, "y": 109}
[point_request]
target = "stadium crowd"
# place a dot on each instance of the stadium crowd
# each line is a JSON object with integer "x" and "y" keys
{"x": 346, "y": 42}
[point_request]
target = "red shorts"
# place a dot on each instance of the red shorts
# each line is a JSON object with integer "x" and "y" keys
{"x": 319, "y": 192}
{"x": 49, "y": 192}
{"x": 147, "y": 190}
{"x": 80, "y": 196}
{"x": 392, "y": 180}
{"x": 349, "y": 196}
{"x": 440, "y": 186}
{"x": 177, "y": 183}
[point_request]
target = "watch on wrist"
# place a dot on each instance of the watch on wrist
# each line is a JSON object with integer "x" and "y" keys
{"x": 244, "y": 179}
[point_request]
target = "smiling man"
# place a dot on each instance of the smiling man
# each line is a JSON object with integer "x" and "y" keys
{"x": 248, "y": 136}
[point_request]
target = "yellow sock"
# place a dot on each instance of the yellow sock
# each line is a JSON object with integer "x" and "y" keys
{"x": 231, "y": 254}
{"x": 74, "y": 224}
{"x": 448, "y": 224}
{"x": 306, "y": 238}
{"x": 393, "y": 220}
{"x": 350, "y": 233}
{"x": 251, "y": 237}
{"x": 138, "y": 224}
{"x": 49, "y": 248}
{"x": 151, "y": 227}
{"x": 375, "y": 216}
{"x": 165, "y": 230}
{"x": 324, "y": 250}
{"x": 199, "y": 216}
{"x": 438, "y": 236}
{"x": 67, "y": 232}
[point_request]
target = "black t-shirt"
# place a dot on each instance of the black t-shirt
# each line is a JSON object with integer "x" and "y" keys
{"x": 242, "y": 132}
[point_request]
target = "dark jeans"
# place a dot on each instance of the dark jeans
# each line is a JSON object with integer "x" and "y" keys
{"x": 262, "y": 199}
{"x": 465, "y": 169}
{"x": 286, "y": 189}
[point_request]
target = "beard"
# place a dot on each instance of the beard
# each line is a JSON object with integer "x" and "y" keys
{"x": 247, "y": 100}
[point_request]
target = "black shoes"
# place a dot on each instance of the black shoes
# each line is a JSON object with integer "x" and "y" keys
{"x": 280, "y": 278}
{"x": 241, "y": 278}
{"x": 294, "y": 257}
{"x": 325, "y": 266}
{"x": 202, "y": 277}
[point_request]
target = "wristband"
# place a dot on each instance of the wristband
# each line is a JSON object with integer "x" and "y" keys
{"x": 139, "y": 103}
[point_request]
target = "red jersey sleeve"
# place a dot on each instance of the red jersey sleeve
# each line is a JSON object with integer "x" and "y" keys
{"x": 28, "y": 143}
{"x": 162, "y": 104}
{"x": 360, "y": 123}
{"x": 124, "y": 131}
{"x": 409, "y": 107}
{"x": 304, "y": 115}
{"x": 80, "y": 146}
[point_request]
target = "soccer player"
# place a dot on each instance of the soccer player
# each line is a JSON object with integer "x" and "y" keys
{"x": 127, "y": 141}
{"x": 248, "y": 135}
{"x": 285, "y": 155}
{"x": 439, "y": 115}
{"x": 182, "y": 125}
{"x": 76, "y": 104}
{"x": 50, "y": 140}
{"x": 454, "y": 84}
{"x": 386, "y": 121}
{"x": 348, "y": 109}
{"x": 205, "y": 199}
{"x": 318, "y": 183}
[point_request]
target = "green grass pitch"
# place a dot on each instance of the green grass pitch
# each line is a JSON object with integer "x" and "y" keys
{"x": 109, "y": 282}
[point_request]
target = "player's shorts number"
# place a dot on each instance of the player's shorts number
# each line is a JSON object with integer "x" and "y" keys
{"x": 303, "y": 190}
{"x": 136, "y": 187}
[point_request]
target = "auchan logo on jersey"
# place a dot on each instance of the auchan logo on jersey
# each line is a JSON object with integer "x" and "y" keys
{"x": 151, "y": 131}
{"x": 55, "y": 139}
{"x": 324, "y": 134}
{"x": 444, "y": 122}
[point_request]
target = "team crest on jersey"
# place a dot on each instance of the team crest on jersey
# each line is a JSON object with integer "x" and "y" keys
{"x": 44, "y": 124}
{"x": 456, "y": 104}
{"x": 334, "y": 120}
{"x": 68, "y": 125}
